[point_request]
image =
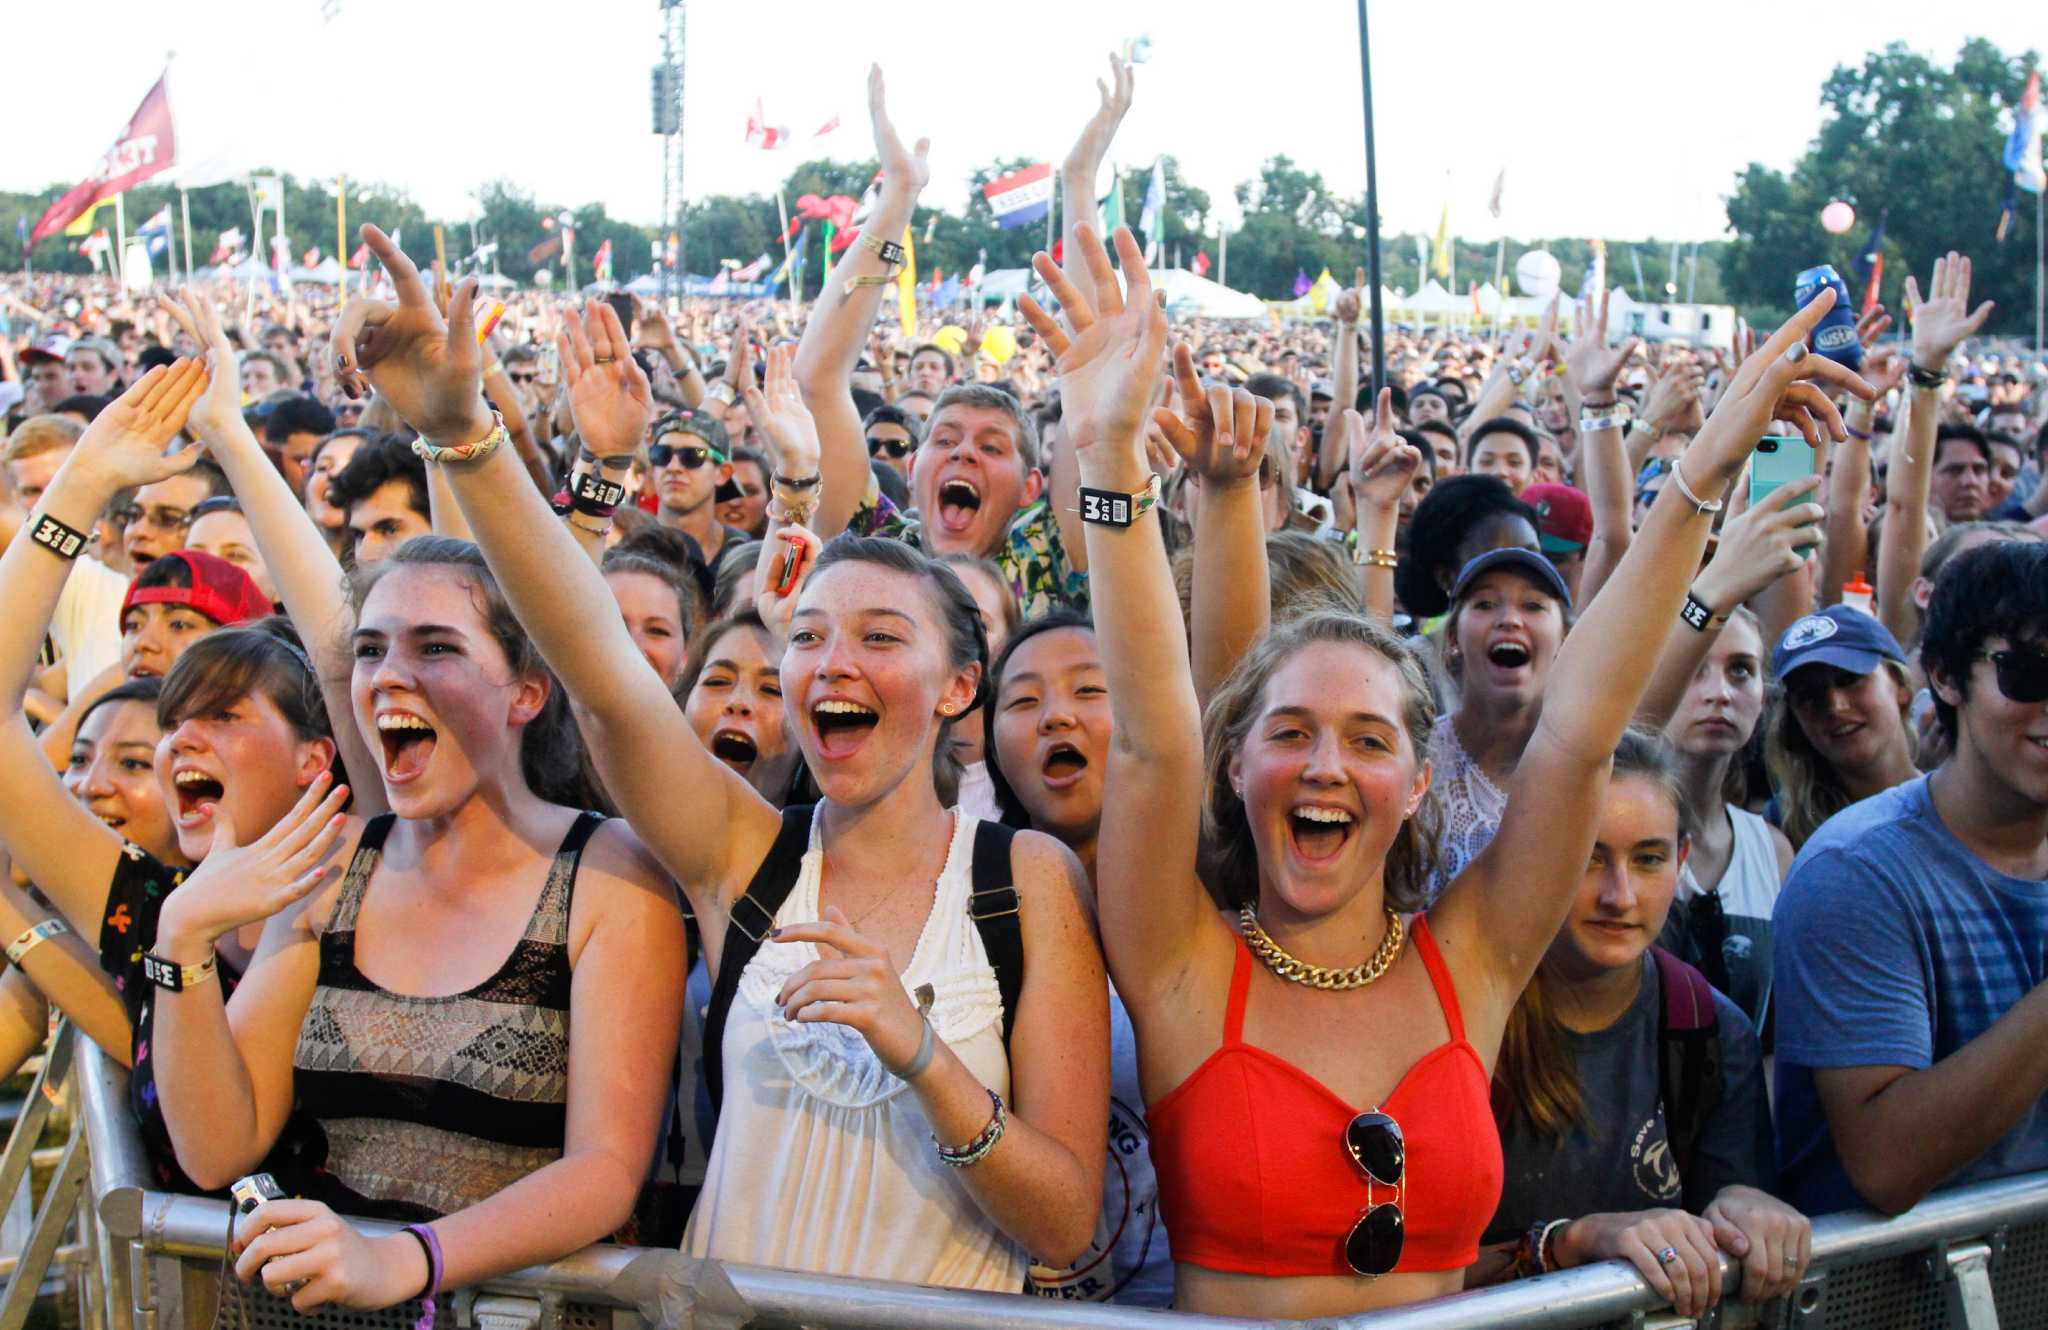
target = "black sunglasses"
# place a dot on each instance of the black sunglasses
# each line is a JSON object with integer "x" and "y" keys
{"x": 893, "y": 447}
{"x": 1375, "y": 1144}
{"x": 691, "y": 456}
{"x": 2022, "y": 675}
{"x": 531, "y": 377}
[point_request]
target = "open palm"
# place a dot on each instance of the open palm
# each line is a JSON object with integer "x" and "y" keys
{"x": 1944, "y": 318}
{"x": 608, "y": 394}
{"x": 430, "y": 370}
{"x": 1106, "y": 348}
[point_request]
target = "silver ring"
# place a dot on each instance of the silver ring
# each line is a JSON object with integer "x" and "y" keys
{"x": 1667, "y": 1256}
{"x": 1795, "y": 352}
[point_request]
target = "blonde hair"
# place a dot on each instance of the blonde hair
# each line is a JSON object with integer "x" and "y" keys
{"x": 1230, "y": 854}
{"x": 1808, "y": 790}
{"x": 42, "y": 434}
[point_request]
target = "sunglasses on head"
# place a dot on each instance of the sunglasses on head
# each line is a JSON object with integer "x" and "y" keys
{"x": 1374, "y": 1142}
{"x": 691, "y": 456}
{"x": 2022, "y": 674}
{"x": 893, "y": 447}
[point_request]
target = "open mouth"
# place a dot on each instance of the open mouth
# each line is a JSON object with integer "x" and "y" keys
{"x": 198, "y": 795}
{"x": 1320, "y": 833}
{"x": 1508, "y": 655}
{"x": 842, "y": 726}
{"x": 408, "y": 745}
{"x": 1063, "y": 766}
{"x": 735, "y": 749}
{"x": 140, "y": 671}
{"x": 959, "y": 503}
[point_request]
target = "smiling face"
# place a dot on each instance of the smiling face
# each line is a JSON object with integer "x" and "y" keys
{"x": 1852, "y": 720}
{"x": 654, "y": 618}
{"x": 226, "y": 535}
{"x": 1328, "y": 773}
{"x": 243, "y": 755}
{"x": 735, "y": 708}
{"x": 153, "y": 636}
{"x": 1629, "y": 884}
{"x": 1726, "y": 696}
{"x": 326, "y": 466}
{"x": 113, "y": 773}
{"x": 384, "y": 521}
{"x": 749, "y": 512}
{"x": 2008, "y": 737}
{"x": 1508, "y": 631}
{"x": 969, "y": 480}
{"x": 1051, "y": 731}
{"x": 434, "y": 693}
{"x": 865, "y": 677}
{"x": 1504, "y": 455}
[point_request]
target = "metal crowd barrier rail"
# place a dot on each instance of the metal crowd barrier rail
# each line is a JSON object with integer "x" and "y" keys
{"x": 1975, "y": 1258}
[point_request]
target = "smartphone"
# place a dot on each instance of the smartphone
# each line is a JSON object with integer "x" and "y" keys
{"x": 1779, "y": 460}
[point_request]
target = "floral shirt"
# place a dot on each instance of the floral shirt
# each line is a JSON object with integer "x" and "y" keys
{"x": 1031, "y": 556}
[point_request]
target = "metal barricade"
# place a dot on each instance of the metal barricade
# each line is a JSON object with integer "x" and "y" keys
{"x": 1975, "y": 1258}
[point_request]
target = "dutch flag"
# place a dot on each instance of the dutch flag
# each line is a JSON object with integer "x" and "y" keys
{"x": 1022, "y": 197}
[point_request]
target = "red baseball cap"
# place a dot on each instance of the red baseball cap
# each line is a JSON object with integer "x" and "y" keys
{"x": 1564, "y": 517}
{"x": 220, "y": 590}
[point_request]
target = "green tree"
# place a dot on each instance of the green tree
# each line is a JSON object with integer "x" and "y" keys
{"x": 1899, "y": 134}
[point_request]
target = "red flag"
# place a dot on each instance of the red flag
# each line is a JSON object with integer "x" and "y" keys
{"x": 312, "y": 258}
{"x": 1202, "y": 263}
{"x": 761, "y": 134}
{"x": 361, "y": 256}
{"x": 826, "y": 128}
{"x": 145, "y": 147}
{"x": 544, "y": 251}
{"x": 1876, "y": 283}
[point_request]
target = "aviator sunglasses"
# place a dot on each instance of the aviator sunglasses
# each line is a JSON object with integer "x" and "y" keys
{"x": 1375, "y": 1144}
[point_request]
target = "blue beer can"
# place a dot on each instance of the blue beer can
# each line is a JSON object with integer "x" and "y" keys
{"x": 1835, "y": 336}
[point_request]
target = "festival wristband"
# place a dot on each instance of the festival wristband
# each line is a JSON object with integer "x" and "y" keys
{"x": 1699, "y": 616}
{"x": 720, "y": 391}
{"x": 63, "y": 541}
{"x": 1594, "y": 424}
{"x": 1114, "y": 507}
{"x": 890, "y": 251}
{"x": 176, "y": 978}
{"x": 1926, "y": 378}
{"x": 874, "y": 279}
{"x": 34, "y": 936}
{"x": 591, "y": 493}
{"x": 464, "y": 452}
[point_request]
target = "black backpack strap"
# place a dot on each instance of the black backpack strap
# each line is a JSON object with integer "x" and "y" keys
{"x": 751, "y": 916}
{"x": 1689, "y": 1069}
{"x": 993, "y": 904}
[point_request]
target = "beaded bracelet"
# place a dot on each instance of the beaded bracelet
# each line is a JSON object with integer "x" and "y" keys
{"x": 977, "y": 1149}
{"x": 464, "y": 452}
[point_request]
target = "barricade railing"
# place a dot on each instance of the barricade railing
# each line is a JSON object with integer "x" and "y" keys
{"x": 1975, "y": 1258}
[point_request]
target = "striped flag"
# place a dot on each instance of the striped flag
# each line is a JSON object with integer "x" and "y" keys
{"x": 1021, "y": 197}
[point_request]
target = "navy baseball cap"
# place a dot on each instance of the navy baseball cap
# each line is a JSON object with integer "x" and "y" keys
{"x": 1527, "y": 562}
{"x": 1845, "y": 638}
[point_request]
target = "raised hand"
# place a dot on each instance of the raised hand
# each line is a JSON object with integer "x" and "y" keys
{"x": 1350, "y": 300}
{"x": 1944, "y": 318}
{"x": 608, "y": 394}
{"x": 1220, "y": 432}
{"x": 851, "y": 983}
{"x": 1782, "y": 381}
{"x": 219, "y": 408}
{"x": 1383, "y": 464}
{"x": 1884, "y": 367}
{"x": 1761, "y": 544}
{"x": 241, "y": 884}
{"x": 1108, "y": 352}
{"x": 780, "y": 416}
{"x": 428, "y": 368}
{"x": 1085, "y": 157}
{"x": 124, "y": 445}
{"x": 1671, "y": 399}
{"x": 739, "y": 361}
{"x": 654, "y": 331}
{"x": 1590, "y": 364}
{"x": 901, "y": 168}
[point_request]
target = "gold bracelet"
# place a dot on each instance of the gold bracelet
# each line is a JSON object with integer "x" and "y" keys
{"x": 1364, "y": 557}
{"x": 780, "y": 509}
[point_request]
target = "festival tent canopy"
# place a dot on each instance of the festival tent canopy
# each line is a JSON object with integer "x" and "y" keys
{"x": 1434, "y": 299}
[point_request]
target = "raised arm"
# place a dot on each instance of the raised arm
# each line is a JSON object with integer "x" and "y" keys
{"x": 1502, "y": 911}
{"x": 1383, "y": 468}
{"x": 844, "y": 313}
{"x": 308, "y": 575}
{"x": 1108, "y": 350}
{"x": 1940, "y": 323}
{"x": 1232, "y": 594}
{"x": 703, "y": 821}
{"x": 1333, "y": 454}
{"x": 1591, "y": 368}
{"x": 64, "y": 849}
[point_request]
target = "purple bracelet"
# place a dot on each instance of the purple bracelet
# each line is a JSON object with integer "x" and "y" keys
{"x": 432, "y": 1246}
{"x": 1855, "y": 433}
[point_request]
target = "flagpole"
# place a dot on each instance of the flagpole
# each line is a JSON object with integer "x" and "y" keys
{"x": 1372, "y": 208}
{"x": 2039, "y": 266}
{"x": 341, "y": 229}
{"x": 782, "y": 215}
{"x": 185, "y": 212}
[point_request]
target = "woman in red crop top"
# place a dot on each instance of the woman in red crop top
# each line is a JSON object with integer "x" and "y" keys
{"x": 1320, "y": 1115}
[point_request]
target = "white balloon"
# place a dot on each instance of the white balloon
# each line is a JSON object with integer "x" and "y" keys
{"x": 1537, "y": 274}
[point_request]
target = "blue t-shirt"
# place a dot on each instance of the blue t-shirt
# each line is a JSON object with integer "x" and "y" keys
{"x": 1896, "y": 946}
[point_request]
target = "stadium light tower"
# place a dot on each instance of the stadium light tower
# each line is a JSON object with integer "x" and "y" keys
{"x": 668, "y": 122}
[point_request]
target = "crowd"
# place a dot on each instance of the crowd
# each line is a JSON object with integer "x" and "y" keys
{"x": 1109, "y": 810}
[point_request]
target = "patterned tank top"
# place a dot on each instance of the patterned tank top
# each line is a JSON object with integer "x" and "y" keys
{"x": 431, "y": 1104}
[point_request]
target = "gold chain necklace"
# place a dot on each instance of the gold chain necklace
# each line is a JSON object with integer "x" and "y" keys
{"x": 1318, "y": 976}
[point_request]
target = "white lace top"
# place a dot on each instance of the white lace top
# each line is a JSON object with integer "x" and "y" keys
{"x": 824, "y": 1161}
{"x": 1469, "y": 805}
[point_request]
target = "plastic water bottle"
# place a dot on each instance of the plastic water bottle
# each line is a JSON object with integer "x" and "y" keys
{"x": 1835, "y": 337}
{"x": 1858, "y": 594}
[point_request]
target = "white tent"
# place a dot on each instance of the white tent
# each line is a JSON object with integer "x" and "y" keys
{"x": 328, "y": 272}
{"x": 1187, "y": 296}
{"x": 1489, "y": 299}
{"x": 1434, "y": 299}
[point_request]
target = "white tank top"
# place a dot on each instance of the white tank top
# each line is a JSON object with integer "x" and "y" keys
{"x": 824, "y": 1161}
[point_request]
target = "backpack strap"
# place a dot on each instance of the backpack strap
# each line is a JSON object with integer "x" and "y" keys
{"x": 748, "y": 922}
{"x": 1689, "y": 1067}
{"x": 993, "y": 904}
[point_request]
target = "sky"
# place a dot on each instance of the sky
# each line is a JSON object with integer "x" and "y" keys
{"x": 1611, "y": 119}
